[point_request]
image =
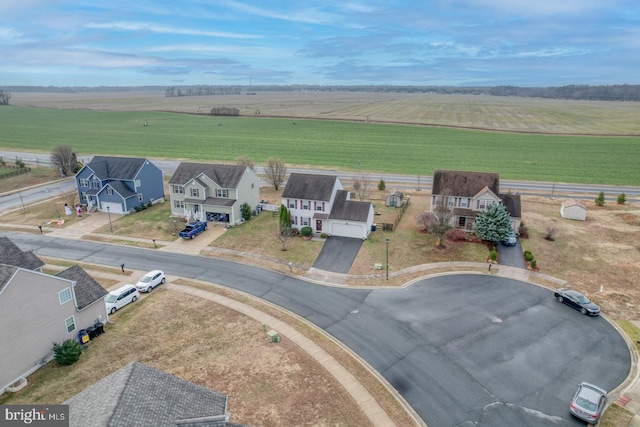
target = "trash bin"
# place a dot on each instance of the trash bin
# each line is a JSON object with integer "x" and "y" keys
{"x": 92, "y": 332}
{"x": 99, "y": 328}
{"x": 374, "y": 227}
{"x": 83, "y": 337}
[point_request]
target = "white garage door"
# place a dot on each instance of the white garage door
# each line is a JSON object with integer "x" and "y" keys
{"x": 113, "y": 207}
{"x": 347, "y": 230}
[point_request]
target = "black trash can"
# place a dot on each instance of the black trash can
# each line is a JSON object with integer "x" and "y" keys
{"x": 92, "y": 332}
{"x": 99, "y": 328}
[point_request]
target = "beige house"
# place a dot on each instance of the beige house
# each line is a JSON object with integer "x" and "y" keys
{"x": 572, "y": 209}
{"x": 38, "y": 309}
{"x": 212, "y": 192}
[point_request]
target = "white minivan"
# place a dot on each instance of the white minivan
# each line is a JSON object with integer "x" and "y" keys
{"x": 122, "y": 296}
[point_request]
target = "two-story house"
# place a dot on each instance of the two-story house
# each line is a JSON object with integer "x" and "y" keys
{"x": 213, "y": 192}
{"x": 119, "y": 184}
{"x": 469, "y": 193}
{"x": 320, "y": 202}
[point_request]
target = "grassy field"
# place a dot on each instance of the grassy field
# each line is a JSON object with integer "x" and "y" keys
{"x": 388, "y": 148}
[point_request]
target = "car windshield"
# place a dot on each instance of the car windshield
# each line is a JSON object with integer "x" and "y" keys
{"x": 586, "y": 404}
{"x": 111, "y": 298}
{"x": 145, "y": 279}
{"x": 583, "y": 300}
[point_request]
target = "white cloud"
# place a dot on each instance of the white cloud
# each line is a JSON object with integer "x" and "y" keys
{"x": 165, "y": 29}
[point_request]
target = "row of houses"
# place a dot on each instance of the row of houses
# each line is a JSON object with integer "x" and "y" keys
{"x": 215, "y": 192}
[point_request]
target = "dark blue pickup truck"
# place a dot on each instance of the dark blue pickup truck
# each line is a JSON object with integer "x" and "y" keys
{"x": 192, "y": 229}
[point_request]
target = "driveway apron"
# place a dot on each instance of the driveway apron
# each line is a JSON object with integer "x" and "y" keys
{"x": 337, "y": 254}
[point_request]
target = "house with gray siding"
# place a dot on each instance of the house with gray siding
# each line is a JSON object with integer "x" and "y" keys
{"x": 213, "y": 192}
{"x": 119, "y": 184}
{"x": 37, "y": 309}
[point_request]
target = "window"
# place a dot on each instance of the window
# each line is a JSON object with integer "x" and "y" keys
{"x": 109, "y": 191}
{"x": 71, "y": 324}
{"x": 64, "y": 295}
{"x": 482, "y": 204}
{"x": 95, "y": 184}
{"x": 463, "y": 203}
{"x": 222, "y": 193}
{"x": 139, "y": 197}
{"x": 305, "y": 205}
{"x": 320, "y": 206}
{"x": 84, "y": 182}
{"x": 178, "y": 189}
{"x": 178, "y": 204}
{"x": 195, "y": 192}
{"x": 138, "y": 183}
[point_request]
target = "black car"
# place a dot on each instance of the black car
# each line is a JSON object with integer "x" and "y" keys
{"x": 578, "y": 301}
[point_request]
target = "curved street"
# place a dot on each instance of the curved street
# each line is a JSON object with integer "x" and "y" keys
{"x": 462, "y": 349}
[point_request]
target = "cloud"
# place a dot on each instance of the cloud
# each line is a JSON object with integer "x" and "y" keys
{"x": 165, "y": 29}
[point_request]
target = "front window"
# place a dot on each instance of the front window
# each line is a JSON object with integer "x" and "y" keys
{"x": 178, "y": 189}
{"x": 178, "y": 204}
{"x": 109, "y": 191}
{"x": 463, "y": 203}
{"x": 195, "y": 192}
{"x": 222, "y": 193}
{"x": 84, "y": 182}
{"x": 64, "y": 295}
{"x": 71, "y": 324}
{"x": 95, "y": 184}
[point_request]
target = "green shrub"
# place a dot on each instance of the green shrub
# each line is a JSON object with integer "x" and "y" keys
{"x": 533, "y": 263}
{"x": 600, "y": 199}
{"x": 306, "y": 231}
{"x": 68, "y": 352}
{"x": 245, "y": 211}
{"x": 622, "y": 198}
{"x": 528, "y": 255}
{"x": 324, "y": 235}
{"x": 493, "y": 255}
{"x": 381, "y": 185}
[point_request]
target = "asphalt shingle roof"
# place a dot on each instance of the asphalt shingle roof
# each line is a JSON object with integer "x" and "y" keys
{"x": 226, "y": 176}
{"x": 11, "y": 254}
{"x": 6, "y": 272}
{"x": 350, "y": 210}
{"x": 309, "y": 186}
{"x": 463, "y": 184}
{"x": 115, "y": 167}
{"x": 87, "y": 290}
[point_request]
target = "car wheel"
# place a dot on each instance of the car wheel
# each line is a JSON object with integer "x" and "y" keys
{"x": 113, "y": 310}
{"x": 560, "y": 299}
{"x": 162, "y": 281}
{"x": 134, "y": 299}
{"x": 583, "y": 310}
{"x": 150, "y": 288}
{"x": 192, "y": 236}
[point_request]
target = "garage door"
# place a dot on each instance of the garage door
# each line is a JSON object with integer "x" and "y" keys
{"x": 113, "y": 207}
{"x": 347, "y": 230}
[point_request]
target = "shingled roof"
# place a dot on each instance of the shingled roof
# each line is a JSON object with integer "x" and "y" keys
{"x": 512, "y": 204}
{"x": 87, "y": 290}
{"x": 463, "y": 184}
{"x": 309, "y": 186}
{"x": 115, "y": 167}
{"x": 350, "y": 210}
{"x": 226, "y": 176}
{"x": 139, "y": 395}
{"x": 6, "y": 273}
{"x": 11, "y": 254}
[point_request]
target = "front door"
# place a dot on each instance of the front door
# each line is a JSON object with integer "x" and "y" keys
{"x": 319, "y": 225}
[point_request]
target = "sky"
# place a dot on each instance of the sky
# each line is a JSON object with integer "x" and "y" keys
{"x": 350, "y": 42}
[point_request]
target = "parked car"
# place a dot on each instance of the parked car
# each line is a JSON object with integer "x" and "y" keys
{"x": 512, "y": 240}
{"x": 150, "y": 281}
{"x": 588, "y": 402}
{"x": 122, "y": 296}
{"x": 578, "y": 301}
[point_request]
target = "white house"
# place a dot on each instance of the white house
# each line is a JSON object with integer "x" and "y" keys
{"x": 572, "y": 209}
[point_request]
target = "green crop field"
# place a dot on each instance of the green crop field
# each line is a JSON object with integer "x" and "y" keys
{"x": 405, "y": 149}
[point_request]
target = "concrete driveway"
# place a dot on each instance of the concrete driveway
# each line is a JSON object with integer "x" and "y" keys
{"x": 337, "y": 254}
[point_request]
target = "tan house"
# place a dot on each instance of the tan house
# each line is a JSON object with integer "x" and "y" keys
{"x": 38, "y": 309}
{"x": 469, "y": 193}
{"x": 572, "y": 209}
{"x": 212, "y": 192}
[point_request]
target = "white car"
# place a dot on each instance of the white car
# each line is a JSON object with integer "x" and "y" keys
{"x": 150, "y": 281}
{"x": 122, "y": 296}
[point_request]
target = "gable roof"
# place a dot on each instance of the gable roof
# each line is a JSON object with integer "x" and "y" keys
{"x": 512, "y": 204}
{"x": 6, "y": 273}
{"x": 138, "y": 394}
{"x": 463, "y": 184}
{"x": 309, "y": 186}
{"x": 226, "y": 176}
{"x": 11, "y": 254}
{"x": 115, "y": 167}
{"x": 570, "y": 203}
{"x": 351, "y": 210}
{"x": 87, "y": 290}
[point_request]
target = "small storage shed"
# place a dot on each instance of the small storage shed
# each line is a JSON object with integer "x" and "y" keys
{"x": 394, "y": 200}
{"x": 572, "y": 209}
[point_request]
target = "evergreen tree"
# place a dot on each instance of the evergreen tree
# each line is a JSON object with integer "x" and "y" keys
{"x": 493, "y": 224}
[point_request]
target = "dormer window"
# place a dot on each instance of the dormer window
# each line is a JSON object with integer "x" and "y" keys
{"x": 222, "y": 193}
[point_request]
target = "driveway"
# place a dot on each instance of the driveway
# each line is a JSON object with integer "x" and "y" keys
{"x": 337, "y": 254}
{"x": 511, "y": 256}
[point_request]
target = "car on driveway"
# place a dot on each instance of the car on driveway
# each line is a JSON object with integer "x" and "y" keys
{"x": 578, "y": 301}
{"x": 512, "y": 240}
{"x": 150, "y": 281}
{"x": 588, "y": 403}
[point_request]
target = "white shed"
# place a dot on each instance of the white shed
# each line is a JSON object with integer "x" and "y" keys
{"x": 572, "y": 209}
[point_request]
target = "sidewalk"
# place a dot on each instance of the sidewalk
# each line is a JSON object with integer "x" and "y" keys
{"x": 627, "y": 395}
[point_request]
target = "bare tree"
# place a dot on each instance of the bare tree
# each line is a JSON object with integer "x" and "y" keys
{"x": 361, "y": 185}
{"x": 64, "y": 159}
{"x": 437, "y": 222}
{"x": 4, "y": 97}
{"x": 276, "y": 172}
{"x": 551, "y": 231}
{"x": 245, "y": 161}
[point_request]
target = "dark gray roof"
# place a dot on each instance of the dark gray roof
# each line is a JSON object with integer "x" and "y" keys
{"x": 463, "y": 184}
{"x": 115, "y": 167}
{"x": 11, "y": 254}
{"x": 87, "y": 290}
{"x": 6, "y": 272}
{"x": 512, "y": 203}
{"x": 309, "y": 186}
{"x": 122, "y": 188}
{"x": 212, "y": 201}
{"x": 226, "y": 176}
{"x": 349, "y": 209}
{"x": 139, "y": 395}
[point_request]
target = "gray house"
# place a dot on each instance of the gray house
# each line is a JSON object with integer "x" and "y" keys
{"x": 213, "y": 192}
{"x": 139, "y": 395}
{"x": 469, "y": 193}
{"x": 320, "y": 202}
{"x": 119, "y": 184}
{"x": 42, "y": 309}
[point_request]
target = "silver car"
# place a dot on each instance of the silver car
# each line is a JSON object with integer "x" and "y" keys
{"x": 588, "y": 403}
{"x": 150, "y": 281}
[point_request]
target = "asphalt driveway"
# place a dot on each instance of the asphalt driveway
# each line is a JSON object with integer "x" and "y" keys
{"x": 511, "y": 256}
{"x": 337, "y": 254}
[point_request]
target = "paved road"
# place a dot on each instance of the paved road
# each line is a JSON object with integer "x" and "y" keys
{"x": 463, "y": 350}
